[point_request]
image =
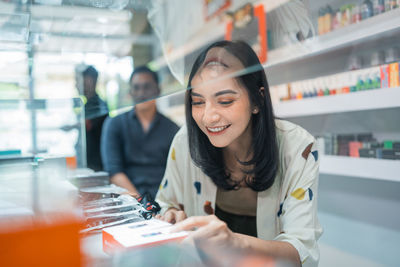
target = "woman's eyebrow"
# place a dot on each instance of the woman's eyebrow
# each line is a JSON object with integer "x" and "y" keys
{"x": 195, "y": 94}
{"x": 223, "y": 92}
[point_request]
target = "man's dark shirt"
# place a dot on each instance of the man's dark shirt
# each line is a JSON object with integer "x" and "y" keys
{"x": 141, "y": 156}
{"x": 95, "y": 113}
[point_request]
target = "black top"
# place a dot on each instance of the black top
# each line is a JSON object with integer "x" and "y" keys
{"x": 241, "y": 224}
{"x": 142, "y": 156}
{"x": 96, "y": 112}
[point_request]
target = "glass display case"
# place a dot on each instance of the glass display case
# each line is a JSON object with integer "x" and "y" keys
{"x": 332, "y": 68}
{"x": 43, "y": 128}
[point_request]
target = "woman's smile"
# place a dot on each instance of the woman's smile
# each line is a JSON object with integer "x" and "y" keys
{"x": 217, "y": 130}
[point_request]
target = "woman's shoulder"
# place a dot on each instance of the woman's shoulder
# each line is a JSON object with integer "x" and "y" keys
{"x": 292, "y": 135}
{"x": 182, "y": 133}
{"x": 180, "y": 140}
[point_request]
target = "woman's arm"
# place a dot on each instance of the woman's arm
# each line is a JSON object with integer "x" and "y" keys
{"x": 212, "y": 233}
{"x": 276, "y": 249}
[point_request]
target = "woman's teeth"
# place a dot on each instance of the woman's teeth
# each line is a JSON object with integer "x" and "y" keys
{"x": 217, "y": 129}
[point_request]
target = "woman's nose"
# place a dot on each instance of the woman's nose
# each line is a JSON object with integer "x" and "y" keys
{"x": 210, "y": 115}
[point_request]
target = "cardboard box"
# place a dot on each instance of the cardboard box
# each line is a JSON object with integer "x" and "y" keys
{"x": 139, "y": 234}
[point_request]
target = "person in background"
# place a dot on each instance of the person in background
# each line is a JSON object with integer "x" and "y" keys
{"x": 95, "y": 106}
{"x": 135, "y": 144}
{"x": 96, "y": 111}
{"x": 255, "y": 176}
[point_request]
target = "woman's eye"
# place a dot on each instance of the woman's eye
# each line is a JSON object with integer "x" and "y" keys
{"x": 196, "y": 103}
{"x": 226, "y": 102}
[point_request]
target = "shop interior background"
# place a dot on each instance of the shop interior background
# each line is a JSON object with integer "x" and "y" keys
{"x": 323, "y": 59}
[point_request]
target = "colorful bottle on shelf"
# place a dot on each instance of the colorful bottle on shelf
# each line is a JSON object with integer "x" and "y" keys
{"x": 379, "y": 7}
{"x": 394, "y": 75}
{"x": 356, "y": 14}
{"x": 337, "y": 17}
{"x": 328, "y": 19}
{"x": 366, "y": 10}
{"x": 384, "y": 76}
{"x": 346, "y": 16}
{"x": 360, "y": 84}
{"x": 376, "y": 80}
{"x": 321, "y": 21}
{"x": 368, "y": 83}
{"x": 393, "y": 4}
{"x": 388, "y": 4}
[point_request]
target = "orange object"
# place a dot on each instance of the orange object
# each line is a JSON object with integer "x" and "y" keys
{"x": 259, "y": 13}
{"x": 394, "y": 75}
{"x": 40, "y": 243}
{"x": 71, "y": 162}
{"x": 353, "y": 149}
{"x": 346, "y": 90}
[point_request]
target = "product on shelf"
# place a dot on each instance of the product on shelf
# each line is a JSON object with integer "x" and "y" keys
{"x": 330, "y": 19}
{"x": 379, "y": 7}
{"x": 376, "y": 77}
{"x": 394, "y": 74}
{"x": 362, "y": 145}
{"x": 367, "y": 10}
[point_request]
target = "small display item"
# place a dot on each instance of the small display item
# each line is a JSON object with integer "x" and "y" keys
{"x": 388, "y": 154}
{"x": 139, "y": 234}
{"x": 367, "y": 153}
{"x": 110, "y": 206}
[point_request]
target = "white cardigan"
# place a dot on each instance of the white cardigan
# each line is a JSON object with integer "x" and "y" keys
{"x": 287, "y": 211}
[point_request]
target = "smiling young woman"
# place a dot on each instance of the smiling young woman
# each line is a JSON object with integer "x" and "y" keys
{"x": 256, "y": 175}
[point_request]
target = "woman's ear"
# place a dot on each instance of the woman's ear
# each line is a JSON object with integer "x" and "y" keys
{"x": 255, "y": 110}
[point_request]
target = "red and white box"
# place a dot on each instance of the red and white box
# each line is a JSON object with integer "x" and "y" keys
{"x": 139, "y": 234}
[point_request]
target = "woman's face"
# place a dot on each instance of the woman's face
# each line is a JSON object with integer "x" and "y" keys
{"x": 220, "y": 105}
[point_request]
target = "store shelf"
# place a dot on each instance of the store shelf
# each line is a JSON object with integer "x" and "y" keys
{"x": 373, "y": 28}
{"x": 214, "y": 30}
{"x": 370, "y": 168}
{"x": 363, "y": 100}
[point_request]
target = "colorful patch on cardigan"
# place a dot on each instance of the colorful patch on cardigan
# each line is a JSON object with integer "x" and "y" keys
{"x": 310, "y": 193}
{"x": 280, "y": 210}
{"x": 307, "y": 151}
{"x": 163, "y": 186}
{"x": 197, "y": 185}
{"x": 208, "y": 208}
{"x": 315, "y": 154}
{"x": 173, "y": 154}
{"x": 300, "y": 193}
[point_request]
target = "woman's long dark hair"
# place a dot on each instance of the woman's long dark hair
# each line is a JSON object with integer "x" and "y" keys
{"x": 264, "y": 144}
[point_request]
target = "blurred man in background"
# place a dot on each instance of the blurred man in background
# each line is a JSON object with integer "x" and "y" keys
{"x": 135, "y": 144}
{"x": 96, "y": 112}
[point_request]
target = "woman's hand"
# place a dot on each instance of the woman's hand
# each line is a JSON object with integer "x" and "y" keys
{"x": 172, "y": 215}
{"x": 209, "y": 231}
